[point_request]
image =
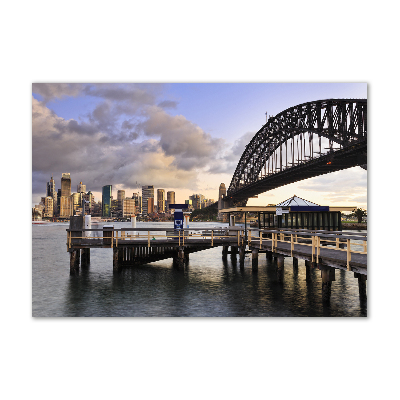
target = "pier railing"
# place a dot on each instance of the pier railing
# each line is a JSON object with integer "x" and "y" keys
{"x": 265, "y": 239}
{"x": 349, "y": 242}
{"x": 115, "y": 236}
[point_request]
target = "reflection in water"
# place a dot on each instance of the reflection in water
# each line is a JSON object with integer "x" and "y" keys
{"x": 207, "y": 286}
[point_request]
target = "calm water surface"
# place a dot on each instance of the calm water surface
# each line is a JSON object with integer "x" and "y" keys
{"x": 207, "y": 287}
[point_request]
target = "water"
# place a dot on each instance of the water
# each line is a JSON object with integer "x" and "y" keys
{"x": 208, "y": 287}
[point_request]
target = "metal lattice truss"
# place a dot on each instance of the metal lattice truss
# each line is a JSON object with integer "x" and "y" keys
{"x": 299, "y": 136}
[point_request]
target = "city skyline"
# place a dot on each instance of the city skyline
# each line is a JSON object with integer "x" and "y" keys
{"x": 186, "y": 138}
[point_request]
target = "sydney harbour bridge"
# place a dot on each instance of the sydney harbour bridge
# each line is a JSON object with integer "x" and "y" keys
{"x": 301, "y": 142}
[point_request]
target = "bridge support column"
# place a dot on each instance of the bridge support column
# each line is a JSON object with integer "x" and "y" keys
{"x": 85, "y": 257}
{"x": 327, "y": 275}
{"x": 268, "y": 254}
{"x": 254, "y": 259}
{"x": 362, "y": 285}
{"x": 280, "y": 266}
{"x": 74, "y": 261}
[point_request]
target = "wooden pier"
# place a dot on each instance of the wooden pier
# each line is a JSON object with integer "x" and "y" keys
{"x": 325, "y": 250}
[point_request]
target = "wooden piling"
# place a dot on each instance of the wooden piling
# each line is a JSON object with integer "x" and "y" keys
{"x": 225, "y": 252}
{"x": 85, "y": 257}
{"x": 327, "y": 275}
{"x": 241, "y": 254}
{"x": 362, "y": 285}
{"x": 74, "y": 260}
{"x": 308, "y": 270}
{"x": 254, "y": 259}
{"x": 295, "y": 263}
{"x": 280, "y": 262}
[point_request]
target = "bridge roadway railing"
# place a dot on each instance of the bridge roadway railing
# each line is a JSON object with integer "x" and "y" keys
{"x": 80, "y": 238}
{"x": 354, "y": 242}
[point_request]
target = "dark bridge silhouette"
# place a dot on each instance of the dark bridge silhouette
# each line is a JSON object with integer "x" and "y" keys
{"x": 301, "y": 142}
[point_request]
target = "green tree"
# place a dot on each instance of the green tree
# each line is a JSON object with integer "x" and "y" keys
{"x": 359, "y": 213}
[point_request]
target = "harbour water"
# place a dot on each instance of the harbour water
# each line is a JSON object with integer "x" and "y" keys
{"x": 207, "y": 287}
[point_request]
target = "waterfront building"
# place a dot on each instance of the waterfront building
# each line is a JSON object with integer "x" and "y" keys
{"x": 160, "y": 200}
{"x": 197, "y": 200}
{"x": 170, "y": 200}
{"x": 138, "y": 202}
{"x": 106, "y": 200}
{"x": 76, "y": 199}
{"x": 48, "y": 207}
{"x": 190, "y": 204}
{"x": 128, "y": 207}
{"x": 89, "y": 206}
{"x": 120, "y": 198}
{"x": 147, "y": 193}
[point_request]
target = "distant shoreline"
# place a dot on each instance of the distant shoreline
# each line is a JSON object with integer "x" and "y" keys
{"x": 355, "y": 225}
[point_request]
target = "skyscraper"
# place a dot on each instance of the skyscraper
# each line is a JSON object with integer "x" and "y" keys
{"x": 66, "y": 184}
{"x": 120, "y": 198}
{"x": 81, "y": 188}
{"x": 106, "y": 200}
{"x": 161, "y": 200}
{"x": 138, "y": 202}
{"x": 66, "y": 209}
{"x": 147, "y": 193}
{"x": 51, "y": 191}
{"x": 170, "y": 199}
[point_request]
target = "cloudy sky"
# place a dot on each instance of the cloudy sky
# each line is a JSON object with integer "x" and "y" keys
{"x": 186, "y": 137}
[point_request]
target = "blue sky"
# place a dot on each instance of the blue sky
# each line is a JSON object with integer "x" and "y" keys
{"x": 186, "y": 137}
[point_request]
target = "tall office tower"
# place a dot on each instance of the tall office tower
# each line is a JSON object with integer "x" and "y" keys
{"x": 160, "y": 200}
{"x": 120, "y": 198}
{"x": 51, "y": 191}
{"x": 147, "y": 193}
{"x": 106, "y": 201}
{"x": 81, "y": 188}
{"x": 221, "y": 194}
{"x": 170, "y": 200}
{"x": 58, "y": 201}
{"x": 128, "y": 207}
{"x": 66, "y": 207}
{"x": 150, "y": 205}
{"x": 66, "y": 184}
{"x": 138, "y": 202}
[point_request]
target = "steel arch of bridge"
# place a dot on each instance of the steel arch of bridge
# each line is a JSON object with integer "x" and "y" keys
{"x": 303, "y": 141}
